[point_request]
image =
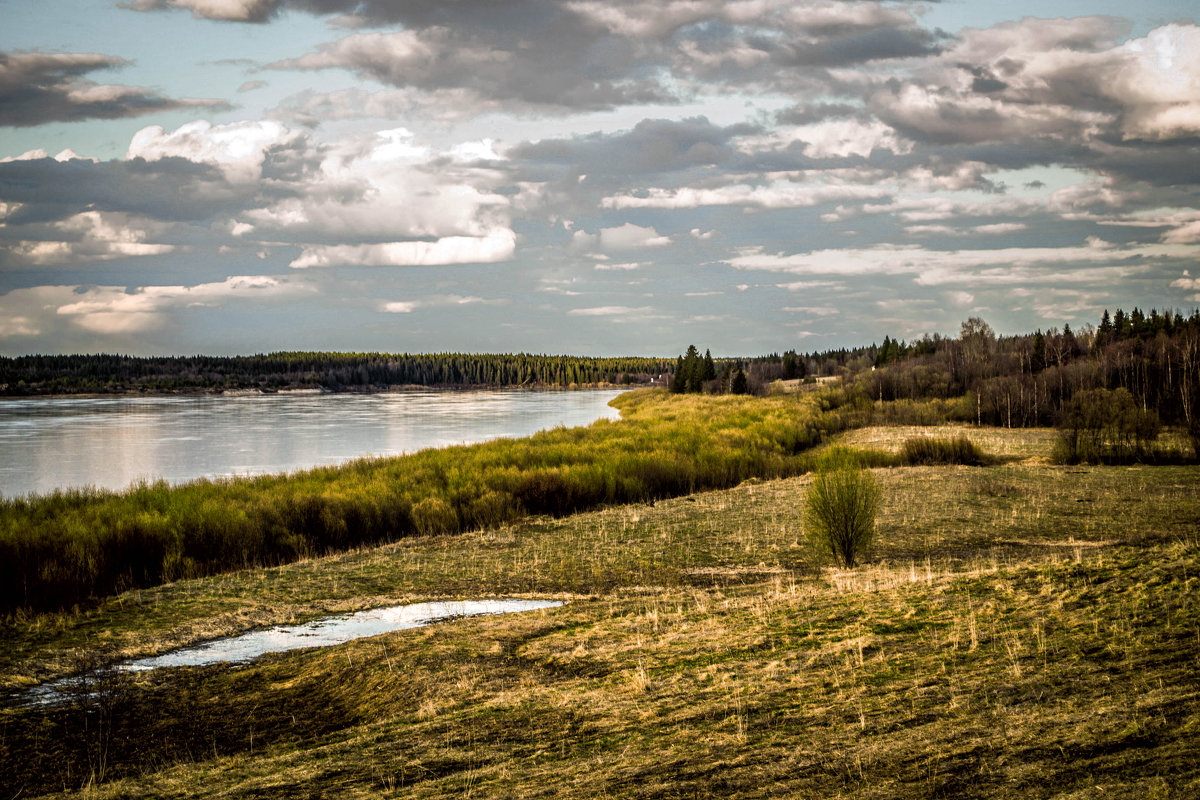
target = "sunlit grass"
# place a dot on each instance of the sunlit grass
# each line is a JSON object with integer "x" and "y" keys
{"x": 1020, "y": 630}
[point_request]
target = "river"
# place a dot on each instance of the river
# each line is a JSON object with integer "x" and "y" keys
{"x": 111, "y": 442}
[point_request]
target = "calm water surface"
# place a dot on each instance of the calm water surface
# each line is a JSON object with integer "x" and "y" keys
{"x": 67, "y": 442}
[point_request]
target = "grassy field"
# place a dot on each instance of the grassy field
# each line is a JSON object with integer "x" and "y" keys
{"x": 1021, "y": 630}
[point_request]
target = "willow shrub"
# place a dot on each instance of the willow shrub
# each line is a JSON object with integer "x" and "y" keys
{"x": 840, "y": 507}
{"x": 75, "y": 547}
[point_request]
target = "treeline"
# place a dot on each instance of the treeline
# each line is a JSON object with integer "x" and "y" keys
{"x": 77, "y": 546}
{"x": 695, "y": 374}
{"x": 1110, "y": 388}
{"x": 103, "y": 374}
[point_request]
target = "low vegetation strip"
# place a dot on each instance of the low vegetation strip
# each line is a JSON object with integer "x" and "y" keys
{"x": 929, "y": 450}
{"x": 74, "y": 547}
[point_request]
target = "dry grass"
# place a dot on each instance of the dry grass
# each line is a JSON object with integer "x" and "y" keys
{"x": 1010, "y": 444}
{"x": 1021, "y": 631}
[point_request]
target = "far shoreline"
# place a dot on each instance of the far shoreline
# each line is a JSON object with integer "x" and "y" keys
{"x": 323, "y": 390}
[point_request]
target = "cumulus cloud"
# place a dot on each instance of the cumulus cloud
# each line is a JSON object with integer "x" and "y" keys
{"x": 831, "y": 139}
{"x": 1186, "y": 281}
{"x": 631, "y": 237}
{"x": 90, "y": 236}
{"x": 579, "y": 54}
{"x": 243, "y": 151}
{"x": 355, "y": 202}
{"x": 1067, "y": 79}
{"x": 232, "y": 10}
{"x": 36, "y": 88}
{"x": 569, "y": 69}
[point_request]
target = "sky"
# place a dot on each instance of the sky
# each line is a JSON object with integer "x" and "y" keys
{"x": 594, "y": 177}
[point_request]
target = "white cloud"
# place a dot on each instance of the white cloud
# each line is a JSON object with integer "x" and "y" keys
{"x": 115, "y": 310}
{"x": 92, "y": 236}
{"x": 232, "y": 10}
{"x": 766, "y": 197}
{"x": 626, "y": 267}
{"x": 400, "y": 307}
{"x": 239, "y": 149}
{"x": 837, "y": 138}
{"x": 1184, "y": 234}
{"x": 1186, "y": 282}
{"x": 1158, "y": 83}
{"x": 630, "y": 237}
{"x": 497, "y": 245}
{"x": 814, "y": 311}
{"x": 610, "y": 311}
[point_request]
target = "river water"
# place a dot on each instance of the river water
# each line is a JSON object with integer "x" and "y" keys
{"x": 111, "y": 442}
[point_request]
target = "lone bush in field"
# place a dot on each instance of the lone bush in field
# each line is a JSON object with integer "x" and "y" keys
{"x": 840, "y": 507}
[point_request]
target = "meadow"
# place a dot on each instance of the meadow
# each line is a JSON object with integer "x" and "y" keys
{"x": 1019, "y": 630}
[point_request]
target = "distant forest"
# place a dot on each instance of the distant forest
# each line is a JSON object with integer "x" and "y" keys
{"x": 1017, "y": 381}
{"x": 1014, "y": 381}
{"x": 335, "y": 372}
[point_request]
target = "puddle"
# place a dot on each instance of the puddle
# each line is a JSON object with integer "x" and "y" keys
{"x": 330, "y": 631}
{"x": 318, "y": 633}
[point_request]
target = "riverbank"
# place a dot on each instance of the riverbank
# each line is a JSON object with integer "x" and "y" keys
{"x": 1020, "y": 630}
{"x": 78, "y": 547}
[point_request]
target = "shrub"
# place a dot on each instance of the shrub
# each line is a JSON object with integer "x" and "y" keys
{"x": 930, "y": 450}
{"x": 840, "y": 507}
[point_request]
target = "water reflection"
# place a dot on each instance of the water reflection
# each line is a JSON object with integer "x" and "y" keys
{"x": 282, "y": 638}
{"x": 65, "y": 442}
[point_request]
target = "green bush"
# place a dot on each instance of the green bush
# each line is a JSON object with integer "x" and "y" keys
{"x": 932, "y": 450}
{"x": 841, "y": 506}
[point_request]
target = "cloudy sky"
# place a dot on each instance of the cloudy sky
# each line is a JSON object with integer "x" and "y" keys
{"x": 598, "y": 177}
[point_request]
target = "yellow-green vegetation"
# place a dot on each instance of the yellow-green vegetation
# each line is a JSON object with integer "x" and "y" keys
{"x": 1021, "y": 631}
{"x": 74, "y": 547}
